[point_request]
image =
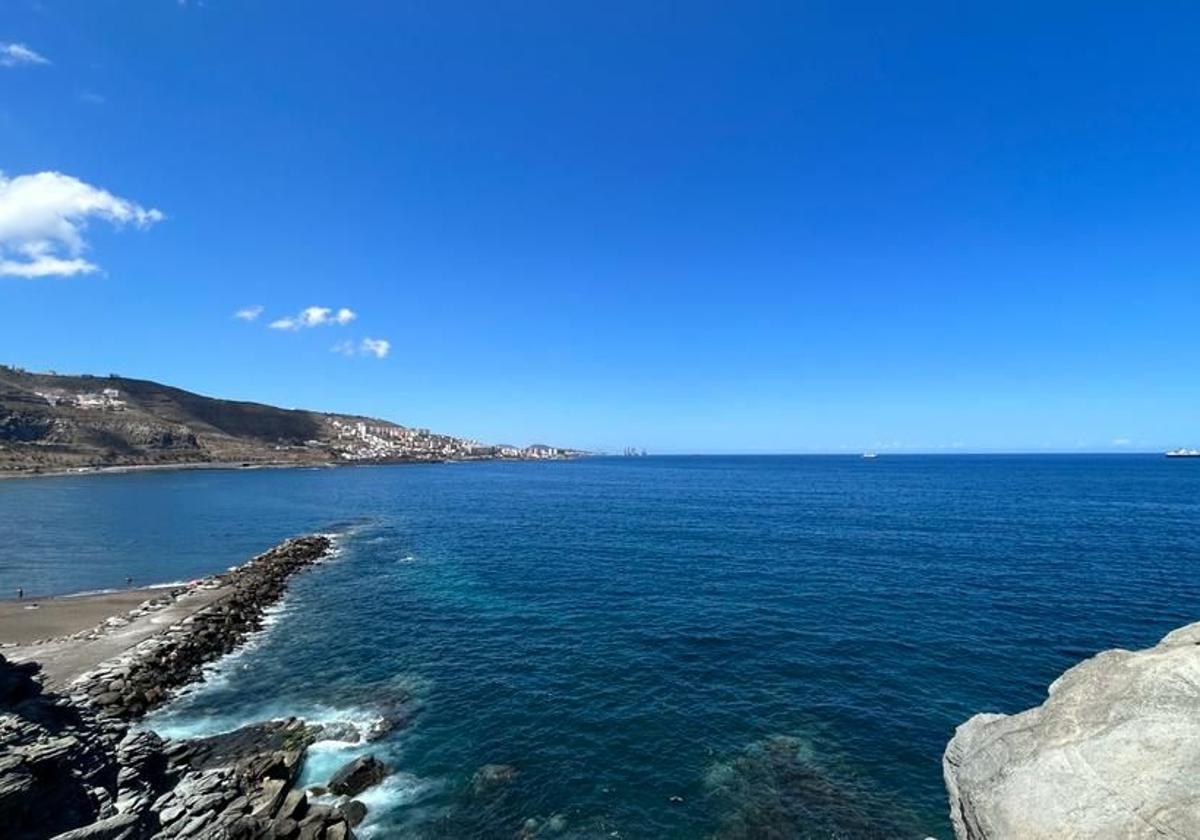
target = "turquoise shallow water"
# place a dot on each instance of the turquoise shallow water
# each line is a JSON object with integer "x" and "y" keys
{"x": 662, "y": 647}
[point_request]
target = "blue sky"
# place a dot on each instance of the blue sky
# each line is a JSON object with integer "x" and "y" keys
{"x": 690, "y": 227}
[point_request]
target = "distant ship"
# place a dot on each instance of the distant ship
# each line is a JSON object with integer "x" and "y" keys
{"x": 1183, "y": 453}
{"x": 870, "y": 455}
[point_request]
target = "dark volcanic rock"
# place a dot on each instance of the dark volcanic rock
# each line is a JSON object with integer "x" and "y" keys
{"x": 394, "y": 716}
{"x": 265, "y": 744}
{"x": 242, "y": 785}
{"x": 72, "y": 769}
{"x": 354, "y": 812}
{"x": 119, "y": 827}
{"x": 52, "y": 758}
{"x": 340, "y": 731}
{"x": 357, "y": 776}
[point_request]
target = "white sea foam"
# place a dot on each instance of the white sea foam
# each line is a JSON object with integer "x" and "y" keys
{"x": 215, "y": 676}
{"x": 171, "y": 584}
{"x": 337, "y": 547}
{"x": 396, "y": 791}
{"x": 323, "y": 757}
{"x": 174, "y": 722}
{"x": 85, "y": 593}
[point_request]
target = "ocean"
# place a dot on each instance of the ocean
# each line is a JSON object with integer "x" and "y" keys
{"x": 661, "y": 647}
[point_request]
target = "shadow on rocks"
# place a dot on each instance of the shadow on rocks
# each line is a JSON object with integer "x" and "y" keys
{"x": 58, "y": 768}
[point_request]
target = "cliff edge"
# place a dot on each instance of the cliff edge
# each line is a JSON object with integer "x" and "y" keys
{"x": 1114, "y": 752}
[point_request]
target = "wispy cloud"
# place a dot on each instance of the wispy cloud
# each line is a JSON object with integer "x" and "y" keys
{"x": 91, "y": 97}
{"x": 250, "y": 313}
{"x": 315, "y": 316}
{"x": 13, "y": 55}
{"x": 1122, "y": 441}
{"x": 377, "y": 347}
{"x": 43, "y": 218}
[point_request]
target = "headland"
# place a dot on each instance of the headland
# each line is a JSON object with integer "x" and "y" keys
{"x": 52, "y": 424}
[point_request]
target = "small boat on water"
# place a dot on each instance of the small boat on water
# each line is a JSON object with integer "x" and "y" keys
{"x": 870, "y": 455}
{"x": 1183, "y": 453}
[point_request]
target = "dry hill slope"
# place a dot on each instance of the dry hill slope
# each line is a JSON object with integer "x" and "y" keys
{"x": 52, "y": 422}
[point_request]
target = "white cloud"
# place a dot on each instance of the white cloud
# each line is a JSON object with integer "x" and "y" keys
{"x": 12, "y": 55}
{"x": 1121, "y": 441}
{"x": 315, "y": 316}
{"x": 43, "y": 217}
{"x": 250, "y": 313}
{"x": 377, "y": 347}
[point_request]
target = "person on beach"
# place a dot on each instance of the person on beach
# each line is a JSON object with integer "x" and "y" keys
{"x": 20, "y": 593}
{"x": 129, "y": 581}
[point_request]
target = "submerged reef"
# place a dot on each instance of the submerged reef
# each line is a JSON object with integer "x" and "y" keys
{"x": 781, "y": 787}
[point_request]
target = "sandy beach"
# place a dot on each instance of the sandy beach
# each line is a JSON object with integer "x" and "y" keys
{"x": 42, "y": 618}
{"x": 63, "y": 659}
{"x": 122, "y": 469}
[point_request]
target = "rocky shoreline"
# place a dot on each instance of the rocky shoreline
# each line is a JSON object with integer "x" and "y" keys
{"x": 74, "y": 766}
{"x": 143, "y": 678}
{"x": 1112, "y": 753}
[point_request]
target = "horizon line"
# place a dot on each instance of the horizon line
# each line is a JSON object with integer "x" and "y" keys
{"x": 889, "y": 454}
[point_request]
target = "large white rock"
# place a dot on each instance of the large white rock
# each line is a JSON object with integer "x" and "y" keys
{"x": 1114, "y": 752}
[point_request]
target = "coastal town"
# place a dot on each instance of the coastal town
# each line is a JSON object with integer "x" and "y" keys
{"x": 363, "y": 440}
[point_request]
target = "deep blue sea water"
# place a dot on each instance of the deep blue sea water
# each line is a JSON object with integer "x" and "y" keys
{"x": 734, "y": 647}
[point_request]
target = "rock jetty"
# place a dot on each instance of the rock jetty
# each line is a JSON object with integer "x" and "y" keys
{"x": 74, "y": 766}
{"x": 1113, "y": 753}
{"x": 143, "y": 678}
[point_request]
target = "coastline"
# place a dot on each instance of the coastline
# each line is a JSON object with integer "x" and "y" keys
{"x": 73, "y": 765}
{"x": 122, "y": 469}
{"x": 45, "y": 617}
{"x": 59, "y": 632}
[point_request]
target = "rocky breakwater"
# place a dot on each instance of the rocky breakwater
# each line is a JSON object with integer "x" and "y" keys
{"x": 75, "y": 767}
{"x": 242, "y": 785}
{"x": 143, "y": 678}
{"x": 1113, "y": 753}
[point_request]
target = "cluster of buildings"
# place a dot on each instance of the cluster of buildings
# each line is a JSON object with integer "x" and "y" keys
{"x": 108, "y": 399}
{"x": 359, "y": 440}
{"x": 536, "y": 452}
